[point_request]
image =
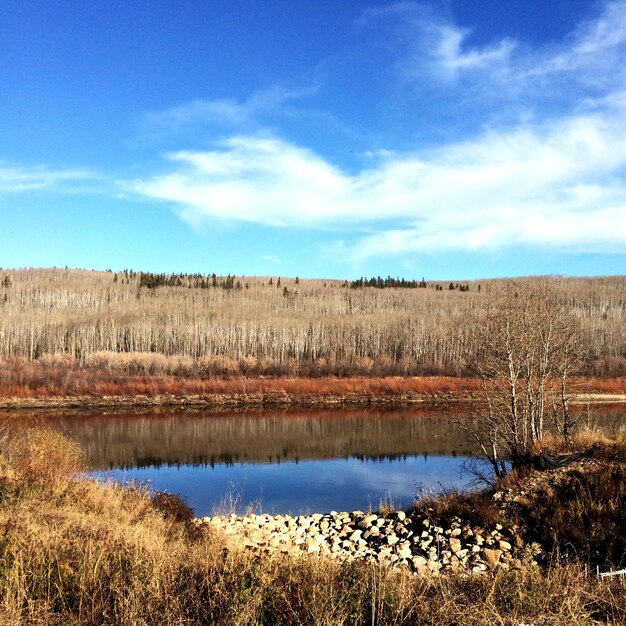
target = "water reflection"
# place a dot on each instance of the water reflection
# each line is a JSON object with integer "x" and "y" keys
{"x": 305, "y": 486}
{"x": 283, "y": 461}
{"x": 132, "y": 440}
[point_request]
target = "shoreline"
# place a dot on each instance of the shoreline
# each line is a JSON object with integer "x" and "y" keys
{"x": 234, "y": 401}
{"x": 287, "y": 393}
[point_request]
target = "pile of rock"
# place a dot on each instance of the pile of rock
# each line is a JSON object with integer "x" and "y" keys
{"x": 411, "y": 540}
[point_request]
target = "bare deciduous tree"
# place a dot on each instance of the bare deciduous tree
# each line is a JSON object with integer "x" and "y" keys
{"x": 527, "y": 345}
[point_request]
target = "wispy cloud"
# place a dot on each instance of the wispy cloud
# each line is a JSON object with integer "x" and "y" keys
{"x": 434, "y": 45}
{"x": 226, "y": 111}
{"x": 20, "y": 179}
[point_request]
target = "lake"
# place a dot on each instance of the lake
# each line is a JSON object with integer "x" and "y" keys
{"x": 279, "y": 461}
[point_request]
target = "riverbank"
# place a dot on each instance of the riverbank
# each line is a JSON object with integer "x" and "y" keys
{"x": 80, "y": 552}
{"x": 414, "y": 541}
{"x": 526, "y": 518}
{"x": 86, "y": 391}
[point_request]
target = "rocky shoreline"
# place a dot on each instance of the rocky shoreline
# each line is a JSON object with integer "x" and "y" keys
{"x": 410, "y": 540}
{"x": 265, "y": 400}
{"x": 252, "y": 400}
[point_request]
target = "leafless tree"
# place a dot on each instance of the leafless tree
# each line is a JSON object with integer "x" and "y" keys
{"x": 527, "y": 345}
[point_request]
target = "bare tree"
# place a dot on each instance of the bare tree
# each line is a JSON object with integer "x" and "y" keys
{"x": 527, "y": 344}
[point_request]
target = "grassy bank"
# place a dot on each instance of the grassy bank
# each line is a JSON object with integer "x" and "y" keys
{"x": 59, "y": 384}
{"x": 76, "y": 552}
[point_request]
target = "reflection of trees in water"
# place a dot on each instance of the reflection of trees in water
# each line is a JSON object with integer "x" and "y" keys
{"x": 196, "y": 438}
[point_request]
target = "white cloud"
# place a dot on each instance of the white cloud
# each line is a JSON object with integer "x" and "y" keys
{"x": 17, "y": 179}
{"x": 561, "y": 184}
{"x": 434, "y": 45}
{"x": 452, "y": 57}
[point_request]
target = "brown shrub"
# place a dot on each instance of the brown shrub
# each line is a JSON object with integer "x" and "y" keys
{"x": 172, "y": 506}
{"x": 45, "y": 457}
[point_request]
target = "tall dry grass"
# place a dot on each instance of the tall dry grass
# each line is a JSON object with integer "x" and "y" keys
{"x": 22, "y": 378}
{"x": 76, "y": 552}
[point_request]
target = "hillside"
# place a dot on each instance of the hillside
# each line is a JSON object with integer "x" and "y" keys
{"x": 117, "y": 326}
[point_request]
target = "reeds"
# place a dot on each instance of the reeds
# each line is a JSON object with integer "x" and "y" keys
{"x": 20, "y": 378}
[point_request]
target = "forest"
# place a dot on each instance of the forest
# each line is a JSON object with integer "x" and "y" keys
{"x": 209, "y": 326}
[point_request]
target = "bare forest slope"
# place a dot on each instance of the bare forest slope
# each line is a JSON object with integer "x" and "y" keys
{"x": 207, "y": 326}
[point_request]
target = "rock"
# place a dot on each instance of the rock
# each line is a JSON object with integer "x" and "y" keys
{"x": 398, "y": 540}
{"x": 368, "y": 520}
{"x": 491, "y": 557}
{"x": 419, "y": 560}
{"x": 403, "y": 550}
{"x": 375, "y": 530}
{"x": 455, "y": 545}
{"x": 384, "y": 551}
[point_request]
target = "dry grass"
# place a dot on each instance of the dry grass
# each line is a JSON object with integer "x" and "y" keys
{"x": 77, "y": 552}
{"x": 22, "y": 379}
{"x": 64, "y": 376}
{"x": 581, "y": 516}
{"x": 592, "y": 441}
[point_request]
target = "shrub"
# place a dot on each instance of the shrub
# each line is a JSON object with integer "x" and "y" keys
{"x": 46, "y": 458}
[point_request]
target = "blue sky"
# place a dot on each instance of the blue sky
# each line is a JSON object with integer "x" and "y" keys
{"x": 444, "y": 139}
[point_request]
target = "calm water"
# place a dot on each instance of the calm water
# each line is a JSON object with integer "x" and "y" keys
{"x": 278, "y": 462}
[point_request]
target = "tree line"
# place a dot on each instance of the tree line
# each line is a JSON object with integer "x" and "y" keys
{"x": 293, "y": 326}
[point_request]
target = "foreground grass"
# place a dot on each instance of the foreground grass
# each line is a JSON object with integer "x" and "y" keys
{"x": 77, "y": 552}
